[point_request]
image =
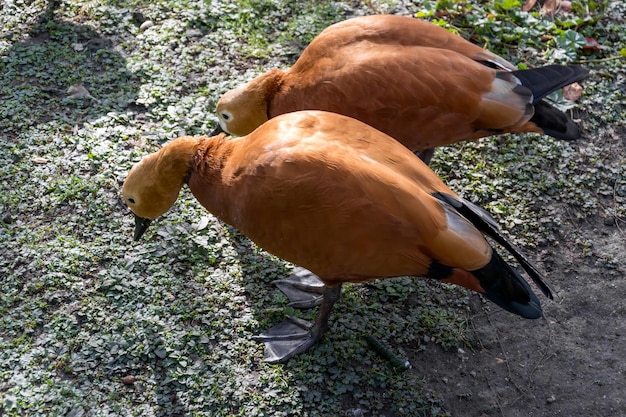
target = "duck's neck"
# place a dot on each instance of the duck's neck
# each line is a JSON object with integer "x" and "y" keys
{"x": 206, "y": 180}
{"x": 268, "y": 84}
{"x": 177, "y": 157}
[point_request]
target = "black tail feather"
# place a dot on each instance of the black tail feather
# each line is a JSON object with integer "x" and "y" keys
{"x": 486, "y": 224}
{"x": 543, "y": 81}
{"x": 554, "y": 122}
{"x": 505, "y": 286}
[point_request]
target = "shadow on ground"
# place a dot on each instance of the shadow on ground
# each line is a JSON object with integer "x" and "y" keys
{"x": 77, "y": 72}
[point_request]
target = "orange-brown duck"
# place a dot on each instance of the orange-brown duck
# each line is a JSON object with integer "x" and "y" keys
{"x": 343, "y": 200}
{"x": 411, "y": 79}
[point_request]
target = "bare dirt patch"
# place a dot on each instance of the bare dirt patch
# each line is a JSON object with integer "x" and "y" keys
{"x": 569, "y": 363}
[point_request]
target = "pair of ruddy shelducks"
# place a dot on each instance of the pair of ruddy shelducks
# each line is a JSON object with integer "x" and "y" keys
{"x": 325, "y": 176}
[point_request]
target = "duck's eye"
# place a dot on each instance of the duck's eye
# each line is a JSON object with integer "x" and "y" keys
{"x": 131, "y": 200}
{"x": 225, "y": 116}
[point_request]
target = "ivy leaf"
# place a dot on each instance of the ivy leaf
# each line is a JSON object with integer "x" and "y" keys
{"x": 570, "y": 42}
{"x": 507, "y": 5}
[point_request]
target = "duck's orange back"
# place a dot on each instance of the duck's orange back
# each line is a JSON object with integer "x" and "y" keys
{"x": 338, "y": 197}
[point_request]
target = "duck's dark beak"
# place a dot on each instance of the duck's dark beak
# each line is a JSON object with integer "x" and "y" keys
{"x": 141, "y": 225}
{"x": 218, "y": 129}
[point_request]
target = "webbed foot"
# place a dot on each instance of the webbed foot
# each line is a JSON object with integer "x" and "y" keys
{"x": 287, "y": 339}
{"x": 303, "y": 288}
{"x": 295, "y": 335}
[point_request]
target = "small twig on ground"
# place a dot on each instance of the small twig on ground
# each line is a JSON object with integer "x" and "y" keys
{"x": 590, "y": 61}
{"x": 615, "y": 207}
{"x": 506, "y": 360}
{"x": 545, "y": 352}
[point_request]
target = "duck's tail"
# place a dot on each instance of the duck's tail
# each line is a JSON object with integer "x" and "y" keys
{"x": 483, "y": 221}
{"x": 543, "y": 81}
{"x": 554, "y": 122}
{"x": 504, "y": 286}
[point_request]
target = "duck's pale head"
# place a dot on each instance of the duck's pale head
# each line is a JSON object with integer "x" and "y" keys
{"x": 150, "y": 190}
{"x": 240, "y": 111}
{"x": 245, "y": 108}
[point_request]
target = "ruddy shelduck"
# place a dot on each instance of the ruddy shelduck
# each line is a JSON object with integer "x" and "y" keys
{"x": 411, "y": 79}
{"x": 340, "y": 198}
